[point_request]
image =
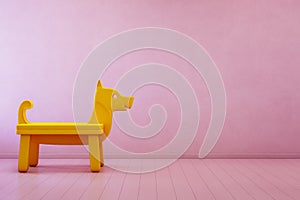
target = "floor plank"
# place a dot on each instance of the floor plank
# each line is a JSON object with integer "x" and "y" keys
{"x": 61, "y": 187}
{"x": 237, "y": 191}
{"x": 282, "y": 186}
{"x": 30, "y": 180}
{"x": 131, "y": 185}
{"x": 270, "y": 188}
{"x": 285, "y": 175}
{"x": 97, "y": 185}
{"x": 113, "y": 187}
{"x": 40, "y": 190}
{"x": 165, "y": 186}
{"x": 147, "y": 189}
{"x": 181, "y": 185}
{"x": 253, "y": 189}
{"x": 215, "y": 186}
{"x": 199, "y": 187}
{"x": 79, "y": 186}
{"x": 293, "y": 170}
{"x": 260, "y": 179}
{"x": 294, "y": 162}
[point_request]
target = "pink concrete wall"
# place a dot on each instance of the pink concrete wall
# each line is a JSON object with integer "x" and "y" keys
{"x": 255, "y": 44}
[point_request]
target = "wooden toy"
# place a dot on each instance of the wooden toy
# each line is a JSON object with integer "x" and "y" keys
{"x": 92, "y": 133}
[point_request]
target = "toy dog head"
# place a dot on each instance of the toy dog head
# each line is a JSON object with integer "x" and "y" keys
{"x": 108, "y": 100}
{"x": 112, "y": 99}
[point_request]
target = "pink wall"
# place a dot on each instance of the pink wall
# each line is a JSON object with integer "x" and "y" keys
{"x": 255, "y": 44}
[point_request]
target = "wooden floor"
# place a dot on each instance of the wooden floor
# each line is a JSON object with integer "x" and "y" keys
{"x": 186, "y": 179}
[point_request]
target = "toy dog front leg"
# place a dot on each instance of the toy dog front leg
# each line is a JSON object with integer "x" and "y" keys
{"x": 101, "y": 154}
{"x": 94, "y": 153}
{"x": 24, "y": 153}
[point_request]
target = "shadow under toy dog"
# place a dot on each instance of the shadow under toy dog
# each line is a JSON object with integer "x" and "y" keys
{"x": 92, "y": 133}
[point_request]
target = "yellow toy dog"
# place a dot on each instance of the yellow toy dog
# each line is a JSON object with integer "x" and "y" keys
{"x": 92, "y": 133}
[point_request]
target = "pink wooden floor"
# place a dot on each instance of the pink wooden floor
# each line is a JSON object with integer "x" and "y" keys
{"x": 186, "y": 179}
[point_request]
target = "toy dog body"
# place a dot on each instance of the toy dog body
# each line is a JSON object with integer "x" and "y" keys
{"x": 92, "y": 133}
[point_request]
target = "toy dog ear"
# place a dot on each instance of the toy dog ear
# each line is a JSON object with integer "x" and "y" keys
{"x": 99, "y": 84}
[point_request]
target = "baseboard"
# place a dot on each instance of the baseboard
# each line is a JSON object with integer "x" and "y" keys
{"x": 265, "y": 155}
{"x": 189, "y": 156}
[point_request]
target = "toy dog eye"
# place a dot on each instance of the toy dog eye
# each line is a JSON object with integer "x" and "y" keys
{"x": 114, "y": 96}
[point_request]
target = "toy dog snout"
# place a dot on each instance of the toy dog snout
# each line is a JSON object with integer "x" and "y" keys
{"x": 126, "y": 101}
{"x": 121, "y": 103}
{"x": 130, "y": 102}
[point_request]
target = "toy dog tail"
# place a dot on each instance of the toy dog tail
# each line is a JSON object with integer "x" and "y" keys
{"x": 25, "y": 105}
